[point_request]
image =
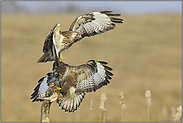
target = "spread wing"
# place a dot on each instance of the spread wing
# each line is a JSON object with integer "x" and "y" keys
{"x": 78, "y": 80}
{"x": 49, "y": 38}
{"x": 96, "y": 75}
{"x": 74, "y": 81}
{"x": 43, "y": 86}
{"x": 94, "y": 23}
{"x": 49, "y": 44}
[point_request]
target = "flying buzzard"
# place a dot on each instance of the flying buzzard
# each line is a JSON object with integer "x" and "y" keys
{"x": 69, "y": 84}
{"x": 86, "y": 25}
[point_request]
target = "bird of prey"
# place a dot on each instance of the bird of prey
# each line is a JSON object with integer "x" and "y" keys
{"x": 68, "y": 85}
{"x": 85, "y": 25}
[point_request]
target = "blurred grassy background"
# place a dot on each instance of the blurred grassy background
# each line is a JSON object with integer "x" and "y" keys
{"x": 144, "y": 52}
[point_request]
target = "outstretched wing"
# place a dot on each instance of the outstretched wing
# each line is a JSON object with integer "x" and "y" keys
{"x": 49, "y": 38}
{"x": 74, "y": 81}
{"x": 43, "y": 86}
{"x": 97, "y": 75}
{"x": 78, "y": 80}
{"x": 49, "y": 44}
{"x": 94, "y": 23}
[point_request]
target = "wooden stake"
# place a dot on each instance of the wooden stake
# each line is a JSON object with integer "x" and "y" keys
{"x": 45, "y": 110}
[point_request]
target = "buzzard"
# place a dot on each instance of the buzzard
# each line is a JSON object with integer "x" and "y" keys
{"x": 68, "y": 85}
{"x": 85, "y": 25}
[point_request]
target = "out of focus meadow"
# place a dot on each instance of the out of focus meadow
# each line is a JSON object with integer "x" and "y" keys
{"x": 144, "y": 52}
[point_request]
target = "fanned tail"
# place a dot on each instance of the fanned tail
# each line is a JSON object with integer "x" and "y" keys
{"x": 70, "y": 103}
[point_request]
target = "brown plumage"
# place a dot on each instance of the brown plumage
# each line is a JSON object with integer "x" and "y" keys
{"x": 74, "y": 81}
{"x": 85, "y": 25}
{"x": 59, "y": 40}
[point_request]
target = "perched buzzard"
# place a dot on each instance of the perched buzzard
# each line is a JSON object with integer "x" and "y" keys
{"x": 69, "y": 84}
{"x": 86, "y": 25}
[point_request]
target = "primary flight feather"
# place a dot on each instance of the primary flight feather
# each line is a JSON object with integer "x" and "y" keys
{"x": 69, "y": 84}
{"x": 86, "y": 25}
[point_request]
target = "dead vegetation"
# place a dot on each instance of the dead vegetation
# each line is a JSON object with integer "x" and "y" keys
{"x": 144, "y": 52}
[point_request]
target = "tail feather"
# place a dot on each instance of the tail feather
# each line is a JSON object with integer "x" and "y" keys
{"x": 71, "y": 103}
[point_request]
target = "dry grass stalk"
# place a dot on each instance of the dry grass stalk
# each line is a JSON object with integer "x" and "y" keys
{"x": 104, "y": 116}
{"x": 173, "y": 112}
{"x": 148, "y": 98}
{"x": 102, "y": 108}
{"x": 178, "y": 114}
{"x": 122, "y": 104}
{"x": 91, "y": 104}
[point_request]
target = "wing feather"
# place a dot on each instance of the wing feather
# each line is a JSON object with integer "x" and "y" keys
{"x": 102, "y": 62}
{"x": 94, "y": 23}
{"x": 75, "y": 82}
{"x": 42, "y": 87}
{"x": 108, "y": 73}
{"x": 49, "y": 44}
{"x": 71, "y": 102}
{"x": 87, "y": 77}
{"x": 107, "y": 68}
{"x": 97, "y": 77}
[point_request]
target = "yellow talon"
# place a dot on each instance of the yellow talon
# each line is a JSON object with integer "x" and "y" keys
{"x": 61, "y": 58}
{"x": 57, "y": 88}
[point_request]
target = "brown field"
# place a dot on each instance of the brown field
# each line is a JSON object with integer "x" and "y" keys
{"x": 144, "y": 52}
